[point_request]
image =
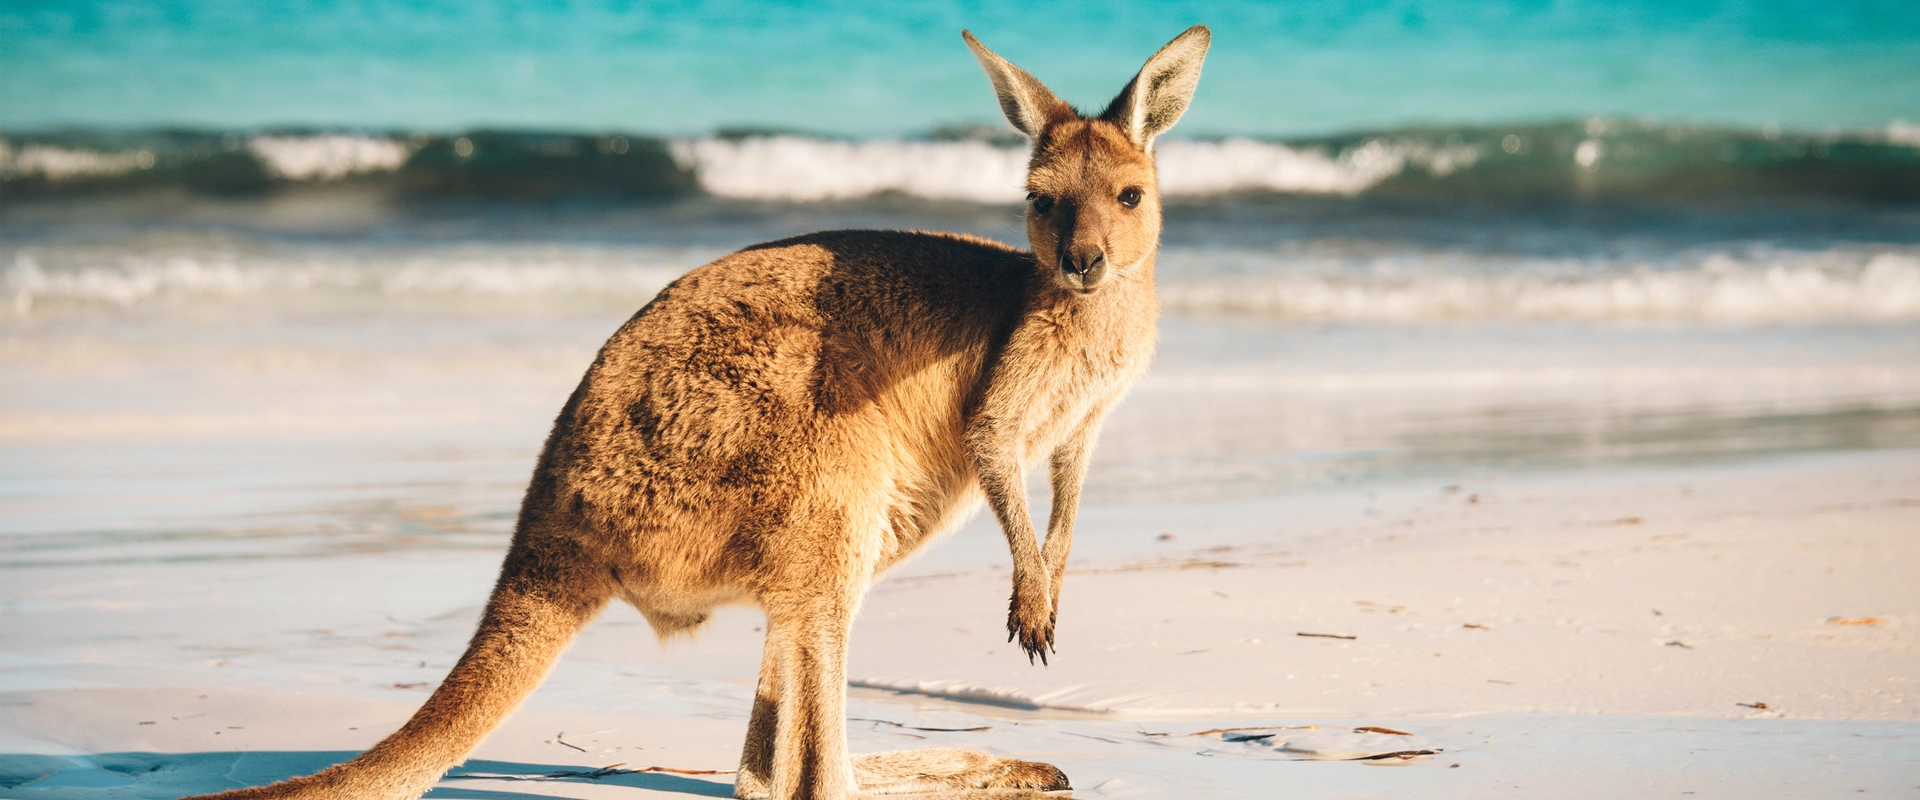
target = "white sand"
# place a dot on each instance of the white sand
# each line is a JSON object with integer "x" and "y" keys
{"x": 1622, "y": 618}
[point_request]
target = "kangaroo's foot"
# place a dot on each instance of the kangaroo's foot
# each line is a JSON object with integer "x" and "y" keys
{"x": 751, "y": 785}
{"x": 947, "y": 774}
{"x": 941, "y": 770}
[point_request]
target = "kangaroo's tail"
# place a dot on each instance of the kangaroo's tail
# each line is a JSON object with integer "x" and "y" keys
{"x": 547, "y": 592}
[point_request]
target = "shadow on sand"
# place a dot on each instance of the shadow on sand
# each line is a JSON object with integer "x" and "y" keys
{"x": 170, "y": 775}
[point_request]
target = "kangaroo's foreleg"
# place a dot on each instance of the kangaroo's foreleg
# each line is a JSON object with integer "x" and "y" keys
{"x": 993, "y": 445}
{"x": 992, "y": 442}
{"x": 1069, "y": 472}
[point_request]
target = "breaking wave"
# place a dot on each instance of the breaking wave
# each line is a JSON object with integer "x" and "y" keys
{"x": 328, "y": 156}
{"x": 801, "y": 169}
{"x": 1597, "y": 158}
{"x": 794, "y": 168}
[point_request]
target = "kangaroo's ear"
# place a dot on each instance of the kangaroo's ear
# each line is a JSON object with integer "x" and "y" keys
{"x": 1023, "y": 98}
{"x": 1159, "y": 94}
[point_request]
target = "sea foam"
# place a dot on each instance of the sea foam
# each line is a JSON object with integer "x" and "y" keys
{"x": 328, "y": 156}
{"x": 57, "y": 164}
{"x": 1720, "y": 285}
{"x": 41, "y": 278}
{"x": 795, "y": 168}
{"x": 1864, "y": 284}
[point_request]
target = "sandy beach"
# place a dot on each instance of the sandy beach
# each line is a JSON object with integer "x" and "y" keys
{"x": 1722, "y": 630}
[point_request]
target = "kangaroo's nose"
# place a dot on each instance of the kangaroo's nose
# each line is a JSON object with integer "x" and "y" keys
{"x": 1083, "y": 263}
{"x": 1084, "y": 270}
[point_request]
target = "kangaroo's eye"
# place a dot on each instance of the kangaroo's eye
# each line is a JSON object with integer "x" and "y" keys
{"x": 1041, "y": 202}
{"x": 1130, "y": 197}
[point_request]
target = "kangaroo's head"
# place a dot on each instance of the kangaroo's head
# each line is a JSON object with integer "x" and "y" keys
{"x": 1093, "y": 200}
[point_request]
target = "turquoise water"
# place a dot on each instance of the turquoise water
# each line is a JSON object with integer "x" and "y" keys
{"x": 1294, "y": 68}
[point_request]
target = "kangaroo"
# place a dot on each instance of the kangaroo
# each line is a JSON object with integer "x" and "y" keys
{"x": 781, "y": 426}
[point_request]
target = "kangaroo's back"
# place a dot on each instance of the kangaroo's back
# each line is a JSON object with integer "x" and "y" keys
{"x": 816, "y": 325}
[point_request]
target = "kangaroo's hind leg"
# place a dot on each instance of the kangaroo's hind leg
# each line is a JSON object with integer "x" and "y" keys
{"x": 937, "y": 771}
{"x": 797, "y": 738}
{"x": 755, "y": 779}
{"x": 808, "y": 630}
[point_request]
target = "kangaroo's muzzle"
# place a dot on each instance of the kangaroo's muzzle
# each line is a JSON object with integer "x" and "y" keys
{"x": 1083, "y": 271}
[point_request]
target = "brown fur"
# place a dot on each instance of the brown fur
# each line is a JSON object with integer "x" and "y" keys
{"x": 782, "y": 425}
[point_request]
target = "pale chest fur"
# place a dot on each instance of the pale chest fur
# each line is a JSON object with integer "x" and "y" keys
{"x": 1085, "y": 362}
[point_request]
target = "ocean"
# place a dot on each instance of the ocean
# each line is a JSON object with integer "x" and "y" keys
{"x": 1309, "y": 67}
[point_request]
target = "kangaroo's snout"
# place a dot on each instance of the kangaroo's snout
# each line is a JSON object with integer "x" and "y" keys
{"x": 1083, "y": 270}
{"x": 1081, "y": 233}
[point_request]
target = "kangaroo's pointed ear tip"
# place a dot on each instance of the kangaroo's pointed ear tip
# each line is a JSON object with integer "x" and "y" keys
{"x": 1201, "y": 33}
{"x": 980, "y": 50}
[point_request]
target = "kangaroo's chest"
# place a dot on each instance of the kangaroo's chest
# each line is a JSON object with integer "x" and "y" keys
{"x": 1083, "y": 383}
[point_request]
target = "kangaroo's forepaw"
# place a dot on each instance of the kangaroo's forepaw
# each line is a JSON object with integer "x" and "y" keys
{"x": 917, "y": 771}
{"x": 1030, "y": 619}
